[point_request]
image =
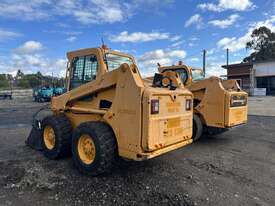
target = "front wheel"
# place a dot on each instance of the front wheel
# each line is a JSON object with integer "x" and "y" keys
{"x": 94, "y": 148}
{"x": 56, "y": 136}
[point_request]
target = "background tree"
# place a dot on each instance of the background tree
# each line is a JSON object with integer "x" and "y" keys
{"x": 19, "y": 74}
{"x": 4, "y": 83}
{"x": 22, "y": 80}
{"x": 262, "y": 44}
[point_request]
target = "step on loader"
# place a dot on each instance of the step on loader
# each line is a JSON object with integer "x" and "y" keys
{"x": 110, "y": 111}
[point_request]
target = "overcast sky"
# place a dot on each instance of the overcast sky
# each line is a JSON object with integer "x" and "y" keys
{"x": 36, "y": 34}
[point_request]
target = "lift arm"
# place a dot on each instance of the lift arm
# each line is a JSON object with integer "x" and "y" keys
{"x": 105, "y": 81}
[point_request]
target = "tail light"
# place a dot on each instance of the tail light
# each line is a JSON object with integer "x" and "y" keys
{"x": 154, "y": 106}
{"x": 237, "y": 101}
{"x": 188, "y": 105}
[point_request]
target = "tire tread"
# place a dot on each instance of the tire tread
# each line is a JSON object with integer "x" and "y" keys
{"x": 108, "y": 147}
{"x": 63, "y": 132}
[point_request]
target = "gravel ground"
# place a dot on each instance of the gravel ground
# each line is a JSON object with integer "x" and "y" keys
{"x": 262, "y": 106}
{"x": 236, "y": 168}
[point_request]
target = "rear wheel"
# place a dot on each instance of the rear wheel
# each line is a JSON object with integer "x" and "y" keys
{"x": 56, "y": 136}
{"x": 94, "y": 148}
{"x": 197, "y": 128}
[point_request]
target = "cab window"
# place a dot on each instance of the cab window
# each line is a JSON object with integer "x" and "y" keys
{"x": 84, "y": 70}
{"x": 182, "y": 74}
{"x": 90, "y": 69}
{"x": 114, "y": 61}
{"x": 197, "y": 75}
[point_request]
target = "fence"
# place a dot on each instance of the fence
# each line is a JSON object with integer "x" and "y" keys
{"x": 19, "y": 93}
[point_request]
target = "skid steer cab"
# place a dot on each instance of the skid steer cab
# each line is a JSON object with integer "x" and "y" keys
{"x": 110, "y": 111}
{"x": 218, "y": 104}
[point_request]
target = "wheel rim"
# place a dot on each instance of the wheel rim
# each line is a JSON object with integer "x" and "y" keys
{"x": 49, "y": 137}
{"x": 86, "y": 149}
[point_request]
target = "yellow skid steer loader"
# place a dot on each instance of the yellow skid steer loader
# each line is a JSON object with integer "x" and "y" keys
{"x": 218, "y": 104}
{"x": 109, "y": 111}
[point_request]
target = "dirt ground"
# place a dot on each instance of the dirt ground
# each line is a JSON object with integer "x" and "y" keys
{"x": 236, "y": 168}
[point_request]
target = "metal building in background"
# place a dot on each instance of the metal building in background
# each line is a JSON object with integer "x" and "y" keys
{"x": 256, "y": 78}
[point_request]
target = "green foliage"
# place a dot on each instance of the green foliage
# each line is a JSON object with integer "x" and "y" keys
{"x": 4, "y": 83}
{"x": 23, "y": 83}
{"x": 263, "y": 45}
{"x": 30, "y": 80}
{"x": 19, "y": 74}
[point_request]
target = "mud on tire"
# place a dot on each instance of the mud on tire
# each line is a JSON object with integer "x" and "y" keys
{"x": 105, "y": 148}
{"x": 63, "y": 132}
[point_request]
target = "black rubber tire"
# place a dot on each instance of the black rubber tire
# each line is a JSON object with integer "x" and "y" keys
{"x": 197, "y": 128}
{"x": 105, "y": 146}
{"x": 63, "y": 136}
